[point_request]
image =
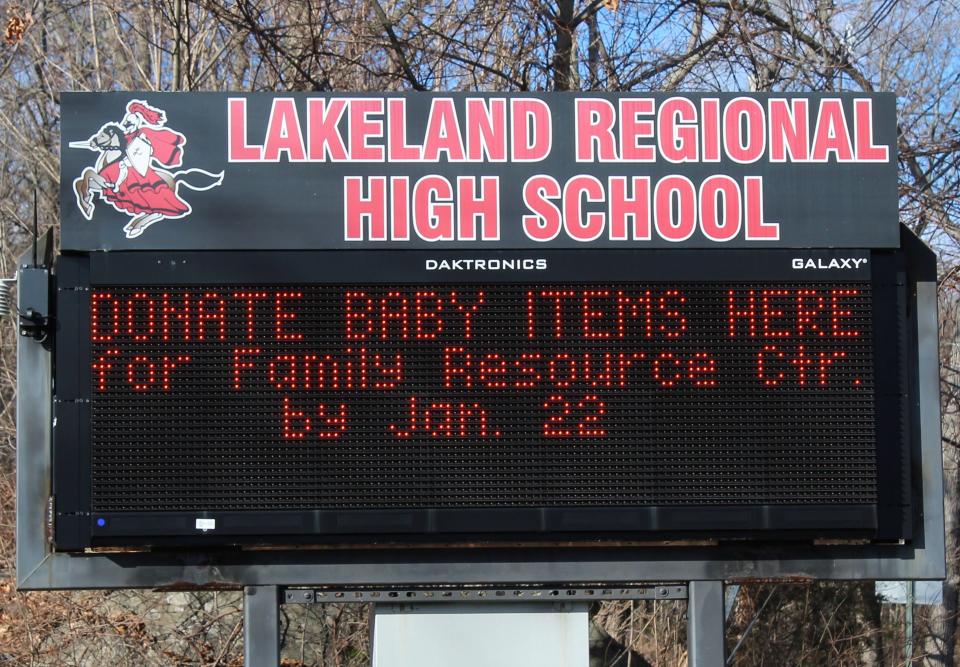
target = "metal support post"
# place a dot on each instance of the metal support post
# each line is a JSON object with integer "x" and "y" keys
{"x": 261, "y": 626}
{"x": 908, "y": 623}
{"x": 705, "y": 624}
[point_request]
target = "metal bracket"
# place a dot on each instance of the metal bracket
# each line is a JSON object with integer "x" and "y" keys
{"x": 34, "y": 319}
{"x": 460, "y": 594}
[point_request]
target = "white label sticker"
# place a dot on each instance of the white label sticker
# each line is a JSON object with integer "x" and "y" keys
{"x": 206, "y": 524}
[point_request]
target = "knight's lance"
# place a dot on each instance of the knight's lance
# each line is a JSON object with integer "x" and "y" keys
{"x": 80, "y": 144}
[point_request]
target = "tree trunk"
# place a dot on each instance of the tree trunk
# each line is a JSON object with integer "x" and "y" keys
{"x": 563, "y": 55}
{"x": 939, "y": 644}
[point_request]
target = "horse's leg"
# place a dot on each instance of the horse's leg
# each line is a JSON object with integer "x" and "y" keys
{"x": 82, "y": 187}
{"x": 134, "y": 221}
{"x": 139, "y": 224}
{"x": 97, "y": 182}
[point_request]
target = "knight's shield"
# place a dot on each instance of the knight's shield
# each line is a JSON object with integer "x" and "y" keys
{"x": 138, "y": 153}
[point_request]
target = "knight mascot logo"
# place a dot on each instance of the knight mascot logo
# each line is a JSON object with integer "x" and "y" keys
{"x": 133, "y": 172}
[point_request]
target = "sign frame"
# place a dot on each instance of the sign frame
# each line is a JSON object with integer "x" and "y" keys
{"x": 38, "y": 567}
{"x": 82, "y": 276}
{"x": 225, "y": 185}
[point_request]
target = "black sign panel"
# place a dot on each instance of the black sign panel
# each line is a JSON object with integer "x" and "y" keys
{"x": 281, "y": 397}
{"x": 468, "y": 171}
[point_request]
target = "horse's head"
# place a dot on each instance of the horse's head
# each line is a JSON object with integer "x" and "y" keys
{"x": 110, "y": 137}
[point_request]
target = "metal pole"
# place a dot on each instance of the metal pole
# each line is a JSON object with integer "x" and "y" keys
{"x": 261, "y": 626}
{"x": 908, "y": 630}
{"x": 705, "y": 624}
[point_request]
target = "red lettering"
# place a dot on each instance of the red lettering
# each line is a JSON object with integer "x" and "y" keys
{"x": 627, "y": 306}
{"x": 837, "y": 312}
{"x": 359, "y": 324}
{"x": 478, "y": 208}
{"x": 801, "y": 361}
{"x": 146, "y": 328}
{"x": 589, "y": 314}
{"x": 624, "y": 208}
{"x": 238, "y": 148}
{"x": 143, "y": 379}
{"x": 467, "y": 310}
{"x": 677, "y": 319}
{"x": 491, "y": 366}
{"x": 589, "y": 425}
{"x": 594, "y": 130}
{"x": 720, "y": 217}
{"x": 288, "y": 381}
{"x": 170, "y": 363}
{"x": 283, "y": 132}
{"x": 365, "y": 212}
{"x": 336, "y": 422}
{"x": 323, "y": 135}
{"x": 582, "y": 226}
{"x": 547, "y": 221}
{"x": 101, "y": 366}
{"x": 675, "y": 208}
{"x": 710, "y": 119}
{"x": 756, "y": 228}
{"x": 239, "y": 364}
{"x": 677, "y": 130}
{"x": 807, "y": 314}
{"x": 866, "y": 150}
{"x": 433, "y": 208}
{"x": 767, "y": 301}
{"x": 400, "y": 208}
{"x": 391, "y": 375}
{"x": 557, "y": 297}
{"x": 632, "y": 128}
{"x": 702, "y": 369}
{"x": 827, "y": 359}
{"x": 247, "y": 297}
{"x": 831, "y": 135}
{"x": 531, "y": 128}
{"x": 763, "y": 366}
{"x": 96, "y": 332}
{"x": 789, "y": 130}
{"x": 284, "y": 316}
{"x": 552, "y": 427}
{"x": 456, "y": 362}
{"x": 398, "y": 148}
{"x": 527, "y": 371}
{"x": 393, "y": 308}
{"x": 744, "y": 146}
{"x": 427, "y": 307}
{"x": 556, "y": 368}
{"x": 211, "y": 308}
{"x": 443, "y": 132}
{"x": 363, "y": 128}
{"x": 412, "y": 414}
{"x": 296, "y": 424}
{"x": 486, "y": 129}
{"x": 667, "y": 358}
{"x": 748, "y": 311}
{"x": 182, "y": 315}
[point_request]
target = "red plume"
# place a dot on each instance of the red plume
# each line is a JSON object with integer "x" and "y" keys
{"x": 152, "y": 115}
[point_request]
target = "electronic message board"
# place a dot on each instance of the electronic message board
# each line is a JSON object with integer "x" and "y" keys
{"x": 320, "y": 395}
{"x": 459, "y": 319}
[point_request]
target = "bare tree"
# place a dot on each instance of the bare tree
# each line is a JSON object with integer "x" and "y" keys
{"x": 908, "y": 47}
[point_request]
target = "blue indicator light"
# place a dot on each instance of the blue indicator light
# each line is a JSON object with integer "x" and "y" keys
{"x": 101, "y": 522}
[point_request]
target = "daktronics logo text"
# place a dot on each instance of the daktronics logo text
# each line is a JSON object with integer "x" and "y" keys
{"x": 520, "y": 264}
